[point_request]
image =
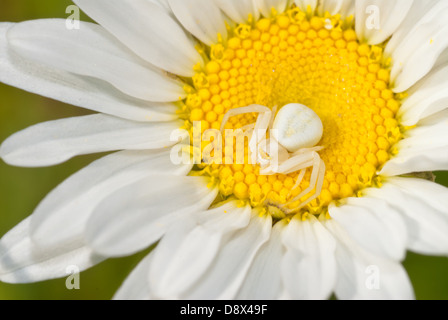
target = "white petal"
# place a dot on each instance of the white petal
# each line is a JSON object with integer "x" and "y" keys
{"x": 434, "y": 119}
{"x": 374, "y": 225}
{"x": 189, "y": 247}
{"x": 425, "y": 149}
{"x": 266, "y": 6}
{"x": 426, "y": 98}
{"x": 163, "y": 4}
{"x": 344, "y": 7}
{"x": 363, "y": 276}
{"x": 148, "y": 30}
{"x": 442, "y": 61}
{"x": 435, "y": 194}
{"x": 54, "y": 142}
{"x": 238, "y": 10}
{"x": 331, "y": 6}
{"x": 21, "y": 261}
{"x": 308, "y": 267}
{"x": 76, "y": 198}
{"x": 136, "y": 285}
{"x": 427, "y": 226}
{"x": 201, "y": 17}
{"x": 263, "y": 280}
{"x": 304, "y": 4}
{"x": 92, "y": 51}
{"x": 418, "y": 43}
{"x": 139, "y": 214}
{"x": 77, "y": 90}
{"x": 418, "y": 10}
{"x": 225, "y": 276}
{"x": 389, "y": 13}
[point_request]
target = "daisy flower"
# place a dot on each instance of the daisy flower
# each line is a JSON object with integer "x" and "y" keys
{"x": 372, "y": 72}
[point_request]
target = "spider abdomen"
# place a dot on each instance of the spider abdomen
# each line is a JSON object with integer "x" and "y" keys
{"x": 296, "y": 127}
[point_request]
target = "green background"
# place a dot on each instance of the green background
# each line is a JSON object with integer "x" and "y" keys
{"x": 22, "y": 189}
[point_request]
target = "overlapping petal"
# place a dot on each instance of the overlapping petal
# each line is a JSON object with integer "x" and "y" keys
{"x": 190, "y": 246}
{"x": 64, "y": 213}
{"x": 377, "y": 20}
{"x": 21, "y": 261}
{"x": 56, "y": 141}
{"x": 374, "y": 225}
{"x": 428, "y": 97}
{"x": 148, "y": 30}
{"x": 418, "y": 42}
{"x": 204, "y": 24}
{"x": 426, "y": 221}
{"x": 425, "y": 148}
{"x": 263, "y": 280}
{"x": 74, "y": 89}
{"x": 266, "y": 6}
{"x": 225, "y": 276}
{"x": 92, "y": 51}
{"x": 136, "y": 216}
{"x": 238, "y": 10}
{"x": 127, "y": 201}
{"x": 364, "y": 276}
{"x": 308, "y": 267}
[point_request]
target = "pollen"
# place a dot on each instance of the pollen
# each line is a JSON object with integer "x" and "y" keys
{"x": 297, "y": 58}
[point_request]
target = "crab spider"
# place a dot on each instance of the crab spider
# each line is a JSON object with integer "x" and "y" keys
{"x": 295, "y": 132}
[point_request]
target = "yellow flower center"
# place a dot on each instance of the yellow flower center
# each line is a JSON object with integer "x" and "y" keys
{"x": 317, "y": 61}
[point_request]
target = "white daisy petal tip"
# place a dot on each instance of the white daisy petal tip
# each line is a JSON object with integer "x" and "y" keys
{"x": 309, "y": 265}
{"x": 365, "y": 276}
{"x": 136, "y": 287}
{"x": 21, "y": 261}
{"x": 426, "y": 222}
{"x": 91, "y": 51}
{"x": 55, "y": 142}
{"x": 374, "y": 225}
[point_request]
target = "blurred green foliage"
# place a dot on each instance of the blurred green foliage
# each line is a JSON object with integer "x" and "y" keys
{"x": 22, "y": 189}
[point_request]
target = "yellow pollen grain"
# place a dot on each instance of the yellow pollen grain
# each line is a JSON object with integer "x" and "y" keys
{"x": 294, "y": 58}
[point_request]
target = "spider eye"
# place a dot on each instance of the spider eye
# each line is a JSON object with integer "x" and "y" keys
{"x": 296, "y": 127}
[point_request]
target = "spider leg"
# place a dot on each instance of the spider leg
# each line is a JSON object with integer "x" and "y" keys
{"x": 299, "y": 179}
{"x": 314, "y": 175}
{"x": 274, "y": 111}
{"x": 235, "y": 112}
{"x": 316, "y": 182}
{"x": 298, "y": 162}
{"x": 305, "y": 150}
{"x": 248, "y": 128}
{"x": 319, "y": 184}
{"x": 261, "y": 127}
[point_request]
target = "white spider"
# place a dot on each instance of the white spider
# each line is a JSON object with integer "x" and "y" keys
{"x": 294, "y": 134}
